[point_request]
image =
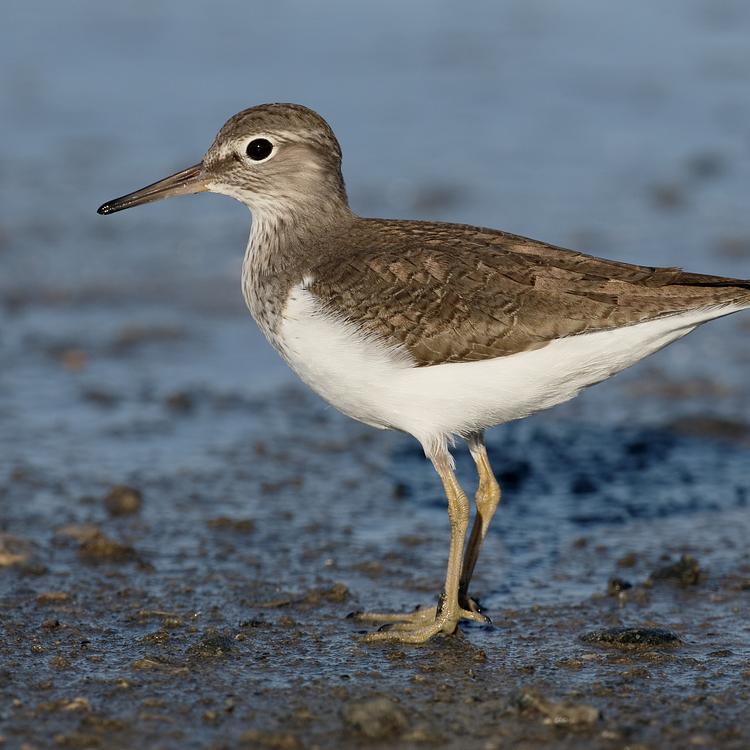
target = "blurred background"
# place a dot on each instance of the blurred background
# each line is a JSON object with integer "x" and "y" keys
{"x": 622, "y": 130}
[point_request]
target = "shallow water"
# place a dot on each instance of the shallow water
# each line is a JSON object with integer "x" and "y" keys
{"x": 126, "y": 356}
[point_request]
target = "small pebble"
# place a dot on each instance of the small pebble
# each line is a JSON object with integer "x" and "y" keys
{"x": 123, "y": 500}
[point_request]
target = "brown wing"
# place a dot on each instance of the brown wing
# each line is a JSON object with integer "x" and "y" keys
{"x": 452, "y": 293}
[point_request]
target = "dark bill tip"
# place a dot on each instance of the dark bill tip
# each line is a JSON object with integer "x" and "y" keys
{"x": 188, "y": 181}
{"x": 107, "y": 208}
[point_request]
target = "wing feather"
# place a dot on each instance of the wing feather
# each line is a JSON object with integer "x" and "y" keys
{"x": 454, "y": 293}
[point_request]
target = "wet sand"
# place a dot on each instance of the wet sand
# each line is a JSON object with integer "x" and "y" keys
{"x": 184, "y": 529}
{"x": 206, "y": 605}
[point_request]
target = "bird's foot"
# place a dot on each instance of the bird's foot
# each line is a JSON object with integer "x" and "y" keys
{"x": 421, "y": 624}
{"x": 415, "y": 631}
{"x": 420, "y": 616}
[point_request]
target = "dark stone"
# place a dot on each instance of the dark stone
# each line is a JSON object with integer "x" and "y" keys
{"x": 632, "y": 638}
{"x": 211, "y": 646}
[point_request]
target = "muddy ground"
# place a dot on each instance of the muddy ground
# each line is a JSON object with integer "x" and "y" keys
{"x": 184, "y": 529}
{"x": 203, "y": 602}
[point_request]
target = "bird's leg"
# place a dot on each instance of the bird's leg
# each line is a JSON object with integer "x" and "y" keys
{"x": 487, "y": 500}
{"x": 421, "y": 625}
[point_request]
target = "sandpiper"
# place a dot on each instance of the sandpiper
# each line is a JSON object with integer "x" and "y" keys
{"x": 438, "y": 330}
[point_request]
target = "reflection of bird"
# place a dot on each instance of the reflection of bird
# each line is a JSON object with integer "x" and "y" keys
{"x": 439, "y": 330}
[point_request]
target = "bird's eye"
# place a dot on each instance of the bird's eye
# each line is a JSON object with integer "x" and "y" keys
{"x": 259, "y": 149}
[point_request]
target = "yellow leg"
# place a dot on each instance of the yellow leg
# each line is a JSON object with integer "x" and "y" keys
{"x": 487, "y": 500}
{"x": 422, "y": 625}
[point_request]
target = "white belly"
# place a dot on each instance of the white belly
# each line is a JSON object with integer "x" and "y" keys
{"x": 368, "y": 381}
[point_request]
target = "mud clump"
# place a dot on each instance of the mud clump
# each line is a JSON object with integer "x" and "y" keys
{"x": 98, "y": 547}
{"x": 273, "y": 740}
{"x": 335, "y": 594}
{"x": 375, "y": 718}
{"x": 95, "y": 546}
{"x": 123, "y": 501}
{"x": 211, "y": 646}
{"x": 77, "y": 740}
{"x": 53, "y": 597}
{"x": 240, "y": 525}
{"x": 13, "y": 550}
{"x": 77, "y": 704}
{"x": 685, "y": 572}
{"x": 632, "y": 638}
{"x": 156, "y": 664}
{"x": 560, "y": 714}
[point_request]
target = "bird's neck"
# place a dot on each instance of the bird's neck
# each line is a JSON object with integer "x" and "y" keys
{"x": 280, "y": 250}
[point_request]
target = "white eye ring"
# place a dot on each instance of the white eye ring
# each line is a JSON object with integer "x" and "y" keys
{"x": 259, "y": 149}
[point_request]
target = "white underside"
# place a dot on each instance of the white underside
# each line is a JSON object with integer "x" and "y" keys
{"x": 380, "y": 386}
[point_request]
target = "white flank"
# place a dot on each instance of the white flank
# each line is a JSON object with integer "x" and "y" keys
{"x": 380, "y": 386}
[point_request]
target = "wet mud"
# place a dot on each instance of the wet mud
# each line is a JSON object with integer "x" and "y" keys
{"x": 184, "y": 529}
{"x": 202, "y": 606}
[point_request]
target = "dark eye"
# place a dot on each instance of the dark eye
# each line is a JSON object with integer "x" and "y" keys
{"x": 259, "y": 149}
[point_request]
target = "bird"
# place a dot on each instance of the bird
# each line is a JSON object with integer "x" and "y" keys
{"x": 437, "y": 330}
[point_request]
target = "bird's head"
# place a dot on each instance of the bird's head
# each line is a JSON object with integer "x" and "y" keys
{"x": 273, "y": 158}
